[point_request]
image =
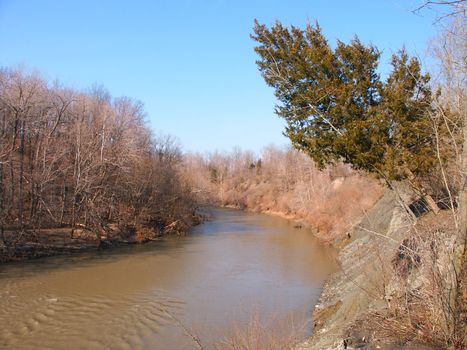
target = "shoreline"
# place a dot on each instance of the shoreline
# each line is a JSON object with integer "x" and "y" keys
{"x": 67, "y": 241}
{"x": 347, "y": 294}
{"x": 353, "y": 291}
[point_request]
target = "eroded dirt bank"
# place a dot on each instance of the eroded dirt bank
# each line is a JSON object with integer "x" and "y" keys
{"x": 358, "y": 308}
{"x": 356, "y": 286}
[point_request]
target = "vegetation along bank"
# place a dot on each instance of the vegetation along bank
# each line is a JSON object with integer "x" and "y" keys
{"x": 82, "y": 170}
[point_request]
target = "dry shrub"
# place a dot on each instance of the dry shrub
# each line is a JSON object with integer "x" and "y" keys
{"x": 262, "y": 334}
{"x": 423, "y": 306}
{"x": 288, "y": 183}
{"x": 342, "y": 206}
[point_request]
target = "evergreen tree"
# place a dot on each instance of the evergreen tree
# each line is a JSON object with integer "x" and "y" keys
{"x": 338, "y": 108}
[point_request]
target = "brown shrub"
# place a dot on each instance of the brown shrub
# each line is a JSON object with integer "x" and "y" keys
{"x": 262, "y": 334}
{"x": 288, "y": 183}
{"x": 423, "y": 307}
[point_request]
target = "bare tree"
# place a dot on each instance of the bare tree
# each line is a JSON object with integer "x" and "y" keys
{"x": 444, "y": 8}
{"x": 82, "y": 161}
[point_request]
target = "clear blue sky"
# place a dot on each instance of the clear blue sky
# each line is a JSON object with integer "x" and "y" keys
{"x": 191, "y": 62}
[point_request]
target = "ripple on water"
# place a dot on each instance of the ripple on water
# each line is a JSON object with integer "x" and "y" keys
{"x": 122, "y": 322}
{"x": 133, "y": 299}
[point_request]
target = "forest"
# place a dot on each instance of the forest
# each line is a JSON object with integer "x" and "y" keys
{"x": 82, "y": 166}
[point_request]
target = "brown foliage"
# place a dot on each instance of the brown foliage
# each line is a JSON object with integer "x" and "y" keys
{"x": 286, "y": 182}
{"x": 264, "y": 335}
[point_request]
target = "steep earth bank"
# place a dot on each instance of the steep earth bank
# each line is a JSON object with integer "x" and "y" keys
{"x": 365, "y": 285}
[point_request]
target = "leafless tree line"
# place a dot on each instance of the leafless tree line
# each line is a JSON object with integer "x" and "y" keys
{"x": 81, "y": 160}
{"x": 286, "y": 182}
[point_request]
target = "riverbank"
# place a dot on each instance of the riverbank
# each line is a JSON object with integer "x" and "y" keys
{"x": 326, "y": 233}
{"x": 213, "y": 281}
{"x": 395, "y": 282}
{"x": 386, "y": 294}
{"x": 67, "y": 240}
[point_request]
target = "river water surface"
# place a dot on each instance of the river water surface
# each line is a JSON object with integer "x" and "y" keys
{"x": 142, "y": 297}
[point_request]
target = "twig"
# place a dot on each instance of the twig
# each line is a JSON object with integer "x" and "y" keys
{"x": 189, "y": 333}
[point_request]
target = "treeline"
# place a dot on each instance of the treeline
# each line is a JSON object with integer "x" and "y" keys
{"x": 287, "y": 182}
{"x": 82, "y": 160}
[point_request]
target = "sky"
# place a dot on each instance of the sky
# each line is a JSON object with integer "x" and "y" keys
{"x": 191, "y": 62}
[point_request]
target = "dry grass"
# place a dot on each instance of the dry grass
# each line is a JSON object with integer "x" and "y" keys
{"x": 424, "y": 305}
{"x": 261, "y": 334}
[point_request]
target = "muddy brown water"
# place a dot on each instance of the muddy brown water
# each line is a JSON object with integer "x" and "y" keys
{"x": 142, "y": 297}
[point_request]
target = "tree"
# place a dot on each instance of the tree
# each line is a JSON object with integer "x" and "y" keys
{"x": 84, "y": 161}
{"x": 445, "y": 8}
{"x": 338, "y": 108}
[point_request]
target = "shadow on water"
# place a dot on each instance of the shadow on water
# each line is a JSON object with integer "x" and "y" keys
{"x": 116, "y": 252}
{"x": 89, "y": 257}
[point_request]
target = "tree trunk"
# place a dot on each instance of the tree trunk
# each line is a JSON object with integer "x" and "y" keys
{"x": 12, "y": 184}
{"x": 426, "y": 197}
{"x": 62, "y": 214}
{"x": 431, "y": 203}
{"x": 461, "y": 307}
{"x": 463, "y": 187}
{"x": 32, "y": 187}
{"x": 2, "y": 211}
{"x": 21, "y": 170}
{"x": 393, "y": 186}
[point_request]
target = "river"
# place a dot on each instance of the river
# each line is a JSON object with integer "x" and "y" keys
{"x": 153, "y": 296}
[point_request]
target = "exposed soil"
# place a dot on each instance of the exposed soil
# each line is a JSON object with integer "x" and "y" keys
{"x": 351, "y": 312}
{"x": 66, "y": 240}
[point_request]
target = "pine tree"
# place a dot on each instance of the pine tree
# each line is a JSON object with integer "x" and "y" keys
{"x": 338, "y": 108}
